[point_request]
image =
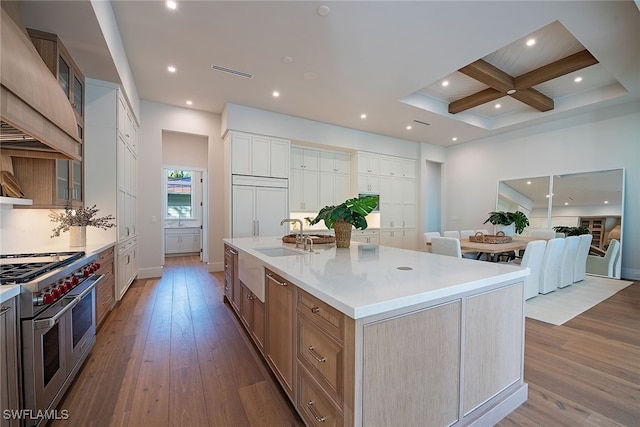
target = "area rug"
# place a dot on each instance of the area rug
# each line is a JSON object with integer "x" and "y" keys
{"x": 564, "y": 304}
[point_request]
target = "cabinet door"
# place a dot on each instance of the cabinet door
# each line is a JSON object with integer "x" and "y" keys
{"x": 271, "y": 208}
{"x": 327, "y": 189}
{"x": 241, "y": 155}
{"x": 327, "y": 162}
{"x": 305, "y": 188}
{"x": 243, "y": 224}
{"x": 409, "y": 239}
{"x": 342, "y": 163}
{"x": 260, "y": 156}
{"x": 296, "y": 201}
{"x": 279, "y": 159}
{"x": 172, "y": 243}
{"x": 342, "y": 187}
{"x": 246, "y": 309}
{"x": 280, "y": 306}
{"x": 9, "y": 391}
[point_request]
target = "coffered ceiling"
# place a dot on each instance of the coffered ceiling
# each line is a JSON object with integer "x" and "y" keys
{"x": 334, "y": 61}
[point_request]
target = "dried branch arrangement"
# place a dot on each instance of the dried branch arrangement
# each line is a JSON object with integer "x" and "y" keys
{"x": 79, "y": 217}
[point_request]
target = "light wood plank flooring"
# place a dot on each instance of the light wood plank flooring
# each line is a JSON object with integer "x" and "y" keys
{"x": 173, "y": 354}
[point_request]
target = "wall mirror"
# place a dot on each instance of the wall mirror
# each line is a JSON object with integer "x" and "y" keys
{"x": 592, "y": 199}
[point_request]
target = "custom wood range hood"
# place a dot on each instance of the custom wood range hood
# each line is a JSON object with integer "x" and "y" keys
{"x": 35, "y": 114}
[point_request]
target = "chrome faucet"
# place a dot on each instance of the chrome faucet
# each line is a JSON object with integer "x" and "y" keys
{"x": 300, "y": 236}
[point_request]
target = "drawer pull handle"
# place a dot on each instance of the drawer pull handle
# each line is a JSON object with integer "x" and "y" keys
{"x": 316, "y": 355}
{"x": 315, "y": 309}
{"x": 315, "y": 415}
{"x": 249, "y": 296}
{"x": 3, "y": 310}
{"x": 270, "y": 277}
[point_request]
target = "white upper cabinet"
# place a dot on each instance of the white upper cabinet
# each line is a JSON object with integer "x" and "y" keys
{"x": 368, "y": 164}
{"x": 302, "y": 158}
{"x": 332, "y": 162}
{"x": 256, "y": 155}
{"x": 396, "y": 167}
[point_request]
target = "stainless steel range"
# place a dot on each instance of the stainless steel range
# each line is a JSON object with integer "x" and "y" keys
{"x": 58, "y": 322}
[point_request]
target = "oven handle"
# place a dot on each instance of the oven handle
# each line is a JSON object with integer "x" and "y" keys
{"x": 49, "y": 322}
{"x": 71, "y": 302}
{"x": 84, "y": 293}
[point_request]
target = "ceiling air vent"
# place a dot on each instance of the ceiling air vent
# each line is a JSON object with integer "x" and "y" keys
{"x": 422, "y": 123}
{"x": 231, "y": 71}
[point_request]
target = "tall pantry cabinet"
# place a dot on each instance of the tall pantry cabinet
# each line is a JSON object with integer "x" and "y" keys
{"x": 111, "y": 139}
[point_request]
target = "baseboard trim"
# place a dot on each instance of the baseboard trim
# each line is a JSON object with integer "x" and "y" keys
{"x": 149, "y": 273}
{"x": 213, "y": 267}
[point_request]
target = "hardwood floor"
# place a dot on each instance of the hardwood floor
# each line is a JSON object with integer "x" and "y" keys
{"x": 173, "y": 354}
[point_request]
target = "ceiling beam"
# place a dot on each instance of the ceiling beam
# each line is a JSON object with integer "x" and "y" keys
{"x": 486, "y": 73}
{"x": 474, "y": 100}
{"x": 534, "y": 99}
{"x": 567, "y": 65}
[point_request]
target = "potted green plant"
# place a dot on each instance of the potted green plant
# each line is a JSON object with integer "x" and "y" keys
{"x": 511, "y": 222}
{"x": 342, "y": 217}
{"x": 571, "y": 231}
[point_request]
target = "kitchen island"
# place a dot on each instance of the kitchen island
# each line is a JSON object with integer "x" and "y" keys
{"x": 378, "y": 336}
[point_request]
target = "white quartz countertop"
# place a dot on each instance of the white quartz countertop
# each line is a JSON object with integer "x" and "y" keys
{"x": 9, "y": 291}
{"x": 365, "y": 279}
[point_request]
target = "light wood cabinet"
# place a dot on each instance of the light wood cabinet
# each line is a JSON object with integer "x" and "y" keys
{"x": 49, "y": 181}
{"x": 280, "y": 312}
{"x": 257, "y": 155}
{"x": 105, "y": 291}
{"x": 252, "y": 315}
{"x": 231, "y": 276}
{"x": 9, "y": 372}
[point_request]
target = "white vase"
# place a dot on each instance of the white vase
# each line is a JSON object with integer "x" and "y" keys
{"x": 508, "y": 230}
{"x": 77, "y": 235}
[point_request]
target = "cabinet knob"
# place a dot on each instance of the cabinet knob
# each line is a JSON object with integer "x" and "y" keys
{"x": 315, "y": 309}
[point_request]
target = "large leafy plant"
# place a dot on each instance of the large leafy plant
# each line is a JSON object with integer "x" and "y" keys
{"x": 352, "y": 211}
{"x": 507, "y": 218}
{"x": 571, "y": 231}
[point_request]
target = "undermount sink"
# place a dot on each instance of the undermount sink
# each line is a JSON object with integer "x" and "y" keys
{"x": 278, "y": 251}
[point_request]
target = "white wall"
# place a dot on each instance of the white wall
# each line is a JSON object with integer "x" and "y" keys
{"x": 157, "y": 118}
{"x": 604, "y": 139}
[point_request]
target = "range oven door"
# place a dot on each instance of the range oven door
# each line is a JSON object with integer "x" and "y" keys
{"x": 82, "y": 321}
{"x": 44, "y": 355}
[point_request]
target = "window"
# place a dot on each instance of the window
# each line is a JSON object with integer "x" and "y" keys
{"x": 179, "y": 194}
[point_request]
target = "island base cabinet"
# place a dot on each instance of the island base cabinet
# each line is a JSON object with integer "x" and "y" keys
{"x": 313, "y": 405}
{"x": 252, "y": 316}
{"x": 280, "y": 351}
{"x": 414, "y": 361}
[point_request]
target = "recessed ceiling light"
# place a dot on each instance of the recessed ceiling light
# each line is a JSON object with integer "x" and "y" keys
{"x": 276, "y": 94}
{"x": 528, "y": 182}
{"x": 189, "y": 102}
{"x": 171, "y": 69}
{"x": 577, "y": 79}
{"x": 531, "y": 42}
{"x": 454, "y": 139}
{"x": 511, "y": 91}
{"x": 498, "y": 105}
{"x": 310, "y": 75}
{"x": 408, "y": 127}
{"x": 606, "y": 202}
{"x": 323, "y": 10}
{"x": 172, "y": 5}
{"x": 566, "y": 203}
{"x": 445, "y": 83}
{"x": 287, "y": 59}
{"x": 363, "y": 116}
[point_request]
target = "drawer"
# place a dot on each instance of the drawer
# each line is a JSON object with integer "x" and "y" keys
{"x": 327, "y": 317}
{"x": 314, "y": 406}
{"x": 323, "y": 357}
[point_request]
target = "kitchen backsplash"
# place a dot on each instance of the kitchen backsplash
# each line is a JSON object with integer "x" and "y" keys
{"x": 29, "y": 230}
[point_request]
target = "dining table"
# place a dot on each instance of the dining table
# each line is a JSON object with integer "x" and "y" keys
{"x": 494, "y": 249}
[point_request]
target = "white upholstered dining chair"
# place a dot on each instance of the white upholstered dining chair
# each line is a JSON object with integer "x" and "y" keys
{"x": 580, "y": 268}
{"x": 426, "y": 239}
{"x": 532, "y": 258}
{"x": 446, "y": 246}
{"x": 568, "y": 261}
{"x": 604, "y": 266}
{"x": 550, "y": 269}
{"x": 464, "y": 234}
{"x": 452, "y": 233}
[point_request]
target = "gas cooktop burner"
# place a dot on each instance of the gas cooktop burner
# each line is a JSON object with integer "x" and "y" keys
{"x": 22, "y": 268}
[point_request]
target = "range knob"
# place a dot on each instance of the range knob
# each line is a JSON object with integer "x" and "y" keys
{"x": 97, "y": 264}
{"x": 85, "y": 272}
{"x": 48, "y": 298}
{"x": 57, "y": 292}
{"x": 75, "y": 280}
